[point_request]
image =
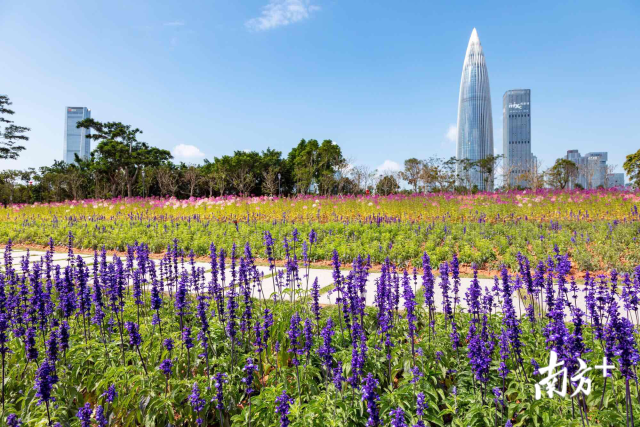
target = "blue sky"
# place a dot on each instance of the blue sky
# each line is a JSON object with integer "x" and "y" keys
{"x": 379, "y": 78}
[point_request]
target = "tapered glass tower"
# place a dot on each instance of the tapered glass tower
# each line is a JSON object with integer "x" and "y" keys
{"x": 475, "y": 124}
{"x": 75, "y": 140}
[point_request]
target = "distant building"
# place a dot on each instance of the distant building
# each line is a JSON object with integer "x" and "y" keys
{"x": 615, "y": 180}
{"x": 593, "y": 171}
{"x": 475, "y": 123}
{"x": 75, "y": 140}
{"x": 516, "y": 136}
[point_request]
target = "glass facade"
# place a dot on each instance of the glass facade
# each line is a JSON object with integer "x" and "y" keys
{"x": 593, "y": 171}
{"x": 475, "y": 123}
{"x": 516, "y": 136}
{"x": 75, "y": 140}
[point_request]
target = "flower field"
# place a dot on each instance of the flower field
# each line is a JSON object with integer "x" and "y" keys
{"x": 131, "y": 340}
{"x": 599, "y": 228}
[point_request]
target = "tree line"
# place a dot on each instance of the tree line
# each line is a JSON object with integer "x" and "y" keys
{"x": 123, "y": 166}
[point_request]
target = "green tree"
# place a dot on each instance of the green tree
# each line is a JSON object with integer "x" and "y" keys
{"x": 311, "y": 161}
{"x": 464, "y": 168}
{"x": 52, "y": 181}
{"x": 411, "y": 173}
{"x": 9, "y": 181}
{"x": 273, "y": 165}
{"x": 387, "y": 185}
{"x": 487, "y": 167}
{"x": 562, "y": 173}
{"x": 632, "y": 167}
{"x": 11, "y": 133}
{"x": 119, "y": 154}
{"x": 216, "y": 175}
{"x": 246, "y": 173}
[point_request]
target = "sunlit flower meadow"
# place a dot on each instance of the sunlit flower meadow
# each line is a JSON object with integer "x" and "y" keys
{"x": 598, "y": 228}
{"x": 408, "y": 333}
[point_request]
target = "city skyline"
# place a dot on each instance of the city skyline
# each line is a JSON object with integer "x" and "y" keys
{"x": 206, "y": 79}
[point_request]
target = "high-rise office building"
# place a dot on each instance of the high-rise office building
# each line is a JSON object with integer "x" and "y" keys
{"x": 475, "y": 123}
{"x": 615, "y": 180}
{"x": 75, "y": 140}
{"x": 516, "y": 136}
{"x": 593, "y": 171}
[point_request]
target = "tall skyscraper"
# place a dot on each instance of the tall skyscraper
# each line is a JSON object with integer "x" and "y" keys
{"x": 475, "y": 123}
{"x": 75, "y": 140}
{"x": 516, "y": 136}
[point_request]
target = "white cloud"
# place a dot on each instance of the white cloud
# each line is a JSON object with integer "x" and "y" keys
{"x": 452, "y": 133}
{"x": 281, "y": 12}
{"x": 184, "y": 151}
{"x": 174, "y": 24}
{"x": 389, "y": 166}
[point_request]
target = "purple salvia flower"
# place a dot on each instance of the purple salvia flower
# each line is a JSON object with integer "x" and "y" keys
{"x": 315, "y": 300}
{"x": 257, "y": 343}
{"x": 267, "y": 320}
{"x": 444, "y": 286}
{"x": 166, "y": 366}
{"x": 31, "y": 351}
{"x": 480, "y": 349}
{"x": 536, "y": 367}
{"x": 427, "y": 282}
{"x": 197, "y": 403}
{"x": 410, "y": 306}
{"x": 338, "y": 378}
{"x": 421, "y": 405}
{"x": 13, "y": 421}
{"x": 626, "y": 350}
{"x": 232, "y": 306}
{"x": 101, "y": 418}
{"x": 282, "y": 408}
{"x": 63, "y": 335}
{"x": 186, "y": 337}
{"x": 249, "y": 369}
{"x": 294, "y": 337}
{"x": 219, "y": 379}
{"x": 52, "y": 346}
{"x": 45, "y": 380}
{"x": 455, "y": 275}
{"x": 134, "y": 334}
{"x": 416, "y": 373}
{"x": 371, "y": 398}
{"x": 473, "y": 296}
{"x": 325, "y": 351}
{"x": 110, "y": 394}
{"x": 510, "y": 319}
{"x": 84, "y": 415}
{"x": 397, "y": 418}
{"x": 307, "y": 331}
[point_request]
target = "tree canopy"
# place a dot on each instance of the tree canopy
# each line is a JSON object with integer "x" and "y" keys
{"x": 632, "y": 167}
{"x": 10, "y": 133}
{"x": 119, "y": 151}
{"x": 562, "y": 173}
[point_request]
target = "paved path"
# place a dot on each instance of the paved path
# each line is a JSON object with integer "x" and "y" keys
{"x": 324, "y": 276}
